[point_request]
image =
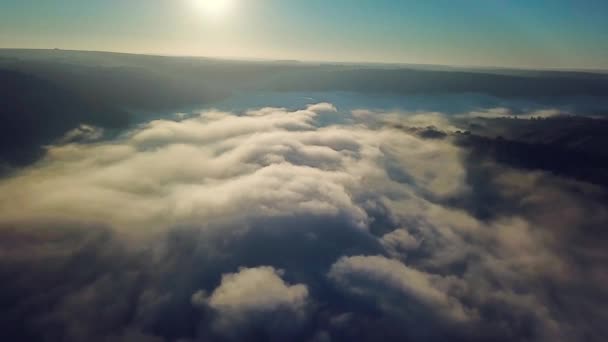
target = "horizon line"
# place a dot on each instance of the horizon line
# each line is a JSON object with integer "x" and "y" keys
{"x": 305, "y": 61}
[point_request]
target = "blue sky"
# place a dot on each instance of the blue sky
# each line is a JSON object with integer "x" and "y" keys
{"x": 519, "y": 33}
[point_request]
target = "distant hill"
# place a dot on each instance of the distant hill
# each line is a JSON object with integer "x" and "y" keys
{"x": 34, "y": 112}
{"x": 44, "y": 93}
{"x": 152, "y": 81}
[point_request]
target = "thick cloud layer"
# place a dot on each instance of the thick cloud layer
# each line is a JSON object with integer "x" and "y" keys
{"x": 267, "y": 225}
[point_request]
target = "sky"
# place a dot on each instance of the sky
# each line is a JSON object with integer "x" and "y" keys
{"x": 514, "y": 33}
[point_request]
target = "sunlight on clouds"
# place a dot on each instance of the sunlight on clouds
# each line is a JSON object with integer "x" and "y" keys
{"x": 199, "y": 169}
{"x": 267, "y": 221}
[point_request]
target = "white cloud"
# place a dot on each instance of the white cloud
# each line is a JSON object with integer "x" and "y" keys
{"x": 399, "y": 242}
{"x": 222, "y": 167}
{"x": 322, "y": 107}
{"x": 220, "y": 174}
{"x": 398, "y": 288}
{"x": 256, "y": 297}
{"x": 82, "y": 133}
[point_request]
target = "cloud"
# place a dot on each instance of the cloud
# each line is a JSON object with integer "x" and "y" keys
{"x": 390, "y": 283}
{"x": 322, "y": 107}
{"x": 399, "y": 242}
{"x": 268, "y": 163}
{"x": 82, "y": 133}
{"x": 367, "y": 228}
{"x": 254, "y": 298}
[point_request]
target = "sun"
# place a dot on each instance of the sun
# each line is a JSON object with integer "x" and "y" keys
{"x": 215, "y": 8}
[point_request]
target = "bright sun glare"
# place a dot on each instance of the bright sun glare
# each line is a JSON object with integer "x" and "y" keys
{"x": 215, "y": 8}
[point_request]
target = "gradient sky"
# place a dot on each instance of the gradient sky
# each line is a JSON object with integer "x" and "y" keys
{"x": 512, "y": 33}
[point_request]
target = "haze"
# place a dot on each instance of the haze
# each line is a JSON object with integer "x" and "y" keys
{"x": 516, "y": 33}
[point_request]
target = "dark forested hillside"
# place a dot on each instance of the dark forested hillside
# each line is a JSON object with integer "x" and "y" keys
{"x": 44, "y": 93}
